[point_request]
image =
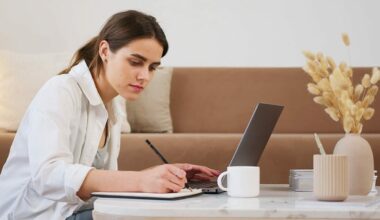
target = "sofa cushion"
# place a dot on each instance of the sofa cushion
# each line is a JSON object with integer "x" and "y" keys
{"x": 151, "y": 112}
{"x": 282, "y": 153}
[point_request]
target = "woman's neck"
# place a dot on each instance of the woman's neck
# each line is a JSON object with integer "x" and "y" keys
{"x": 105, "y": 90}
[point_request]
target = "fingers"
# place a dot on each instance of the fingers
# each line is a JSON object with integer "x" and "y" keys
{"x": 204, "y": 170}
{"x": 172, "y": 187}
{"x": 166, "y": 186}
{"x": 183, "y": 166}
{"x": 201, "y": 177}
{"x": 198, "y": 168}
{"x": 176, "y": 171}
{"x": 215, "y": 172}
{"x": 176, "y": 178}
{"x": 180, "y": 182}
{"x": 175, "y": 186}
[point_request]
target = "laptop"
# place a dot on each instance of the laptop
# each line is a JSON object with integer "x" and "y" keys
{"x": 252, "y": 143}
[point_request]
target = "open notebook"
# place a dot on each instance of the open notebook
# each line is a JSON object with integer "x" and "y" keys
{"x": 184, "y": 193}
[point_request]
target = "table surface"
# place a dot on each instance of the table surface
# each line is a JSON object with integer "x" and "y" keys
{"x": 274, "y": 201}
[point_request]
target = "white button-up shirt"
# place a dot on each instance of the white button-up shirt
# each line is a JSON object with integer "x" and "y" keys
{"x": 55, "y": 146}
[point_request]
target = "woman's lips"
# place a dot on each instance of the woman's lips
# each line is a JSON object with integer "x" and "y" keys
{"x": 137, "y": 88}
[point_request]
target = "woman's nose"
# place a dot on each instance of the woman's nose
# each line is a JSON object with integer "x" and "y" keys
{"x": 144, "y": 74}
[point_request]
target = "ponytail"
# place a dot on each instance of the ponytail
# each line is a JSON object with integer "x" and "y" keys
{"x": 88, "y": 53}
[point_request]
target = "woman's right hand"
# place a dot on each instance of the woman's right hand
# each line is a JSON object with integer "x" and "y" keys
{"x": 162, "y": 179}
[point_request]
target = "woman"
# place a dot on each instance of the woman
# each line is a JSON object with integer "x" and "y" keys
{"x": 68, "y": 141}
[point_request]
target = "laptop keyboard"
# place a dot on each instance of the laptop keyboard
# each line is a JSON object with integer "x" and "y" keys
{"x": 202, "y": 185}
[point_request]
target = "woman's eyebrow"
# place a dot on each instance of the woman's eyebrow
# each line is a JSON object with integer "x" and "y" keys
{"x": 144, "y": 58}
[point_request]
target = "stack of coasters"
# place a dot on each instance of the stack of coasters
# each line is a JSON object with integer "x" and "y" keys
{"x": 374, "y": 190}
{"x": 301, "y": 180}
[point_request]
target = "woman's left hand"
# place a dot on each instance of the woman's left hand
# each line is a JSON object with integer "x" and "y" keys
{"x": 197, "y": 172}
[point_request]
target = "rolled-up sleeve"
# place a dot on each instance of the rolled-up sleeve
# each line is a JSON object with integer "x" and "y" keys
{"x": 54, "y": 174}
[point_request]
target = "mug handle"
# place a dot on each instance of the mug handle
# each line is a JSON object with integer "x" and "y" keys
{"x": 220, "y": 177}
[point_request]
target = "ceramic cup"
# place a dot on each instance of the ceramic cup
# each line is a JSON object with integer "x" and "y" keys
{"x": 330, "y": 181}
{"x": 242, "y": 181}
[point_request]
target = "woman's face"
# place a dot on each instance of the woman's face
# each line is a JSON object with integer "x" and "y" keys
{"x": 130, "y": 69}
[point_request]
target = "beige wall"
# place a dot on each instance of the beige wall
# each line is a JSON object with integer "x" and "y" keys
{"x": 206, "y": 32}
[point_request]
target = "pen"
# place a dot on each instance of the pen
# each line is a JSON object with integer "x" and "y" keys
{"x": 162, "y": 158}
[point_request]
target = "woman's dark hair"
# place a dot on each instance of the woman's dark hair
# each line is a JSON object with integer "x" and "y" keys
{"x": 120, "y": 29}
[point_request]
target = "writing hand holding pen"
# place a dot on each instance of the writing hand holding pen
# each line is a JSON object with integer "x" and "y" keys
{"x": 193, "y": 172}
{"x": 164, "y": 178}
{"x": 163, "y": 159}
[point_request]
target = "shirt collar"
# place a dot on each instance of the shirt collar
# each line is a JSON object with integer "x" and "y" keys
{"x": 83, "y": 76}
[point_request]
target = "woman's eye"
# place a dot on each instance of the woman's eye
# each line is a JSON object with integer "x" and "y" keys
{"x": 134, "y": 63}
{"x": 152, "y": 68}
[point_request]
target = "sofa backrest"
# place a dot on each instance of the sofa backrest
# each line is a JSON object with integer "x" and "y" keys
{"x": 221, "y": 100}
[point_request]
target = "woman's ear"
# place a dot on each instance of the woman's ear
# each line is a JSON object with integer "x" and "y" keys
{"x": 104, "y": 50}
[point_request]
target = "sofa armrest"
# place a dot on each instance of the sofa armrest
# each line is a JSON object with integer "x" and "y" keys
{"x": 6, "y": 139}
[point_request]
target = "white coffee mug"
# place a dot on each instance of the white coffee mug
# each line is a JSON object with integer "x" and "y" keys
{"x": 242, "y": 181}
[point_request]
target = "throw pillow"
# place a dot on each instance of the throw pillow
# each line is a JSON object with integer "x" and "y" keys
{"x": 21, "y": 76}
{"x": 150, "y": 113}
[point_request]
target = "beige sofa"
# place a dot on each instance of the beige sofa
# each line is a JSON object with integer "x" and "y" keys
{"x": 210, "y": 108}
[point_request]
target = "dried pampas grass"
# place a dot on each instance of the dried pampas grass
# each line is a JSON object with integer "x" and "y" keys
{"x": 333, "y": 88}
{"x": 346, "y": 39}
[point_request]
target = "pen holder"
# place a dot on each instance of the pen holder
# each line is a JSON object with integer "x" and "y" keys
{"x": 330, "y": 181}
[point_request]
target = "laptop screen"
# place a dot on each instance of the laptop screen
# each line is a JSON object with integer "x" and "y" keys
{"x": 256, "y": 135}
